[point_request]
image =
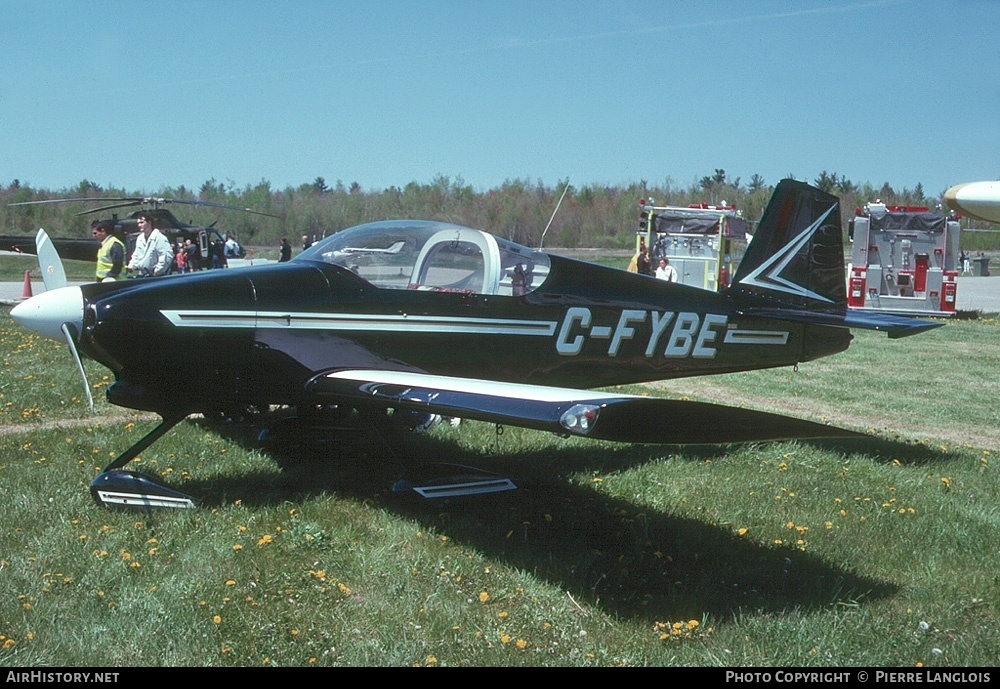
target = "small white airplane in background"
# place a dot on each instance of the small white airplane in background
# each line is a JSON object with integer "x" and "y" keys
{"x": 354, "y": 251}
{"x": 980, "y": 200}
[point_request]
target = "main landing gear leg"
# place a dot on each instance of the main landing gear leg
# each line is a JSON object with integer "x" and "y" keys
{"x": 118, "y": 487}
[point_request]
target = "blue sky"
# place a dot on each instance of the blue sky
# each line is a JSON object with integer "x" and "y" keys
{"x": 147, "y": 94}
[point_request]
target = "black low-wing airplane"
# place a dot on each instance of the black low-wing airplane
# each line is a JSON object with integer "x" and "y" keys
{"x": 457, "y": 322}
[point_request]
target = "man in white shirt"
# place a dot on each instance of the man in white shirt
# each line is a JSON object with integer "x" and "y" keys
{"x": 666, "y": 271}
{"x": 152, "y": 255}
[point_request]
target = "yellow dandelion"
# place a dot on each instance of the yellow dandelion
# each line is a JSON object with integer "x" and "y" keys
{"x": 265, "y": 539}
{"x": 743, "y": 531}
{"x": 483, "y": 597}
{"x": 237, "y": 547}
{"x": 522, "y": 644}
{"x": 217, "y": 619}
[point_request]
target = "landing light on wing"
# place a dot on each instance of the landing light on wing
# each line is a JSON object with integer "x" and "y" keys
{"x": 580, "y": 418}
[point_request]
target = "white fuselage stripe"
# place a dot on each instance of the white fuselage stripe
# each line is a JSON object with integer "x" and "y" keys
{"x": 406, "y": 323}
{"x": 756, "y": 337}
{"x": 357, "y": 322}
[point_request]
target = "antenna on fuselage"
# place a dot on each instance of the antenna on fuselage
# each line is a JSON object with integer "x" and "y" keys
{"x": 542, "y": 240}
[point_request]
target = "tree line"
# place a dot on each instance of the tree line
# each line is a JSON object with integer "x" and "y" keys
{"x": 589, "y": 215}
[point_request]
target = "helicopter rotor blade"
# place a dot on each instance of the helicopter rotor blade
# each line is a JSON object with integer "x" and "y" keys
{"x": 219, "y": 205}
{"x": 155, "y": 202}
{"x": 107, "y": 208}
{"x": 92, "y": 200}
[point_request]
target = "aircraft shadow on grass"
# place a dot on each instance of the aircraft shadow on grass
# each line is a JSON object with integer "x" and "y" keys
{"x": 627, "y": 559}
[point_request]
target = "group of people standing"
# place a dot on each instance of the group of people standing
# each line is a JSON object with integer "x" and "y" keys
{"x": 642, "y": 264}
{"x": 285, "y": 248}
{"x": 153, "y": 255}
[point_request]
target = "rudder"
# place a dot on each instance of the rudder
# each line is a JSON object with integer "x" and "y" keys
{"x": 796, "y": 256}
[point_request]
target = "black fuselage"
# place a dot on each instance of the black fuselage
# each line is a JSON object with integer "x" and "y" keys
{"x": 257, "y": 336}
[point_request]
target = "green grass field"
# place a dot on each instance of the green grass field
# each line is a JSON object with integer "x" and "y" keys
{"x": 873, "y": 552}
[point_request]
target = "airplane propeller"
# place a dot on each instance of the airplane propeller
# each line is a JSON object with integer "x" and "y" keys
{"x": 58, "y": 310}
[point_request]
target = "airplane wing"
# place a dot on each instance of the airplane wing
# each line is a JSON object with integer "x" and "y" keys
{"x": 565, "y": 411}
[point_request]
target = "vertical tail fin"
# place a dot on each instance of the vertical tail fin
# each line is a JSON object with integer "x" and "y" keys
{"x": 796, "y": 256}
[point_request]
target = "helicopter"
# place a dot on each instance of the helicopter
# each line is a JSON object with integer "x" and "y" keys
{"x": 203, "y": 237}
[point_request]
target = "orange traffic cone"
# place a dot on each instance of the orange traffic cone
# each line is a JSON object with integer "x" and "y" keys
{"x": 26, "y": 291}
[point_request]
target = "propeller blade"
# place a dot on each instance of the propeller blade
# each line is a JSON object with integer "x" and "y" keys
{"x": 53, "y": 273}
{"x": 70, "y": 332}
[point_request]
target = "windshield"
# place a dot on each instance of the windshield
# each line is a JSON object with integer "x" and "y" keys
{"x": 433, "y": 255}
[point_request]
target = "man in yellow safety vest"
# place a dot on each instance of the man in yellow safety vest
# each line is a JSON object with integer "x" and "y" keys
{"x": 111, "y": 255}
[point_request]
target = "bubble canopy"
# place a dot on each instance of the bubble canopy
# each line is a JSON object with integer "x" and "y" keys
{"x": 412, "y": 254}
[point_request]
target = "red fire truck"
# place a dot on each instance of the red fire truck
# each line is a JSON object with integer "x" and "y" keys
{"x": 904, "y": 260}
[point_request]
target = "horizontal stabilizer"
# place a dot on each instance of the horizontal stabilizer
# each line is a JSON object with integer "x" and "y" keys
{"x": 599, "y": 415}
{"x": 893, "y": 326}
